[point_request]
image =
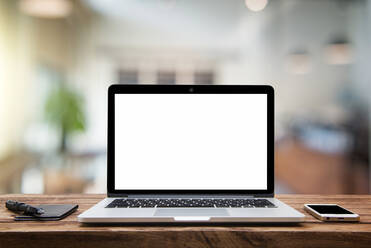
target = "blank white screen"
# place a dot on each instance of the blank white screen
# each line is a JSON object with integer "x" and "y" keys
{"x": 191, "y": 141}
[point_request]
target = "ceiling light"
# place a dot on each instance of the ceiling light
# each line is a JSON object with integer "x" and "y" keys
{"x": 298, "y": 63}
{"x": 46, "y": 8}
{"x": 256, "y": 5}
{"x": 339, "y": 54}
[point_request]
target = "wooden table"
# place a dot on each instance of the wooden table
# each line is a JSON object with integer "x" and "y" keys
{"x": 69, "y": 233}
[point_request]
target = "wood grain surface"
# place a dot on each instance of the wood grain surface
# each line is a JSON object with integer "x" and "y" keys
{"x": 69, "y": 233}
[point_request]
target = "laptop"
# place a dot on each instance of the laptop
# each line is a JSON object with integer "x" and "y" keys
{"x": 190, "y": 153}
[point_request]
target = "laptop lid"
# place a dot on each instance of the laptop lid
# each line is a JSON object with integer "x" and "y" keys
{"x": 190, "y": 139}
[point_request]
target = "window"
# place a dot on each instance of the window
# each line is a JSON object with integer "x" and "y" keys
{"x": 166, "y": 77}
{"x": 204, "y": 77}
{"x": 128, "y": 76}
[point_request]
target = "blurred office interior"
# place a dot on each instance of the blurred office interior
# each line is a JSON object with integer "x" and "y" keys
{"x": 58, "y": 57}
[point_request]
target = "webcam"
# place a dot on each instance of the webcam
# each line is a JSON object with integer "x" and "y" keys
{"x": 191, "y": 89}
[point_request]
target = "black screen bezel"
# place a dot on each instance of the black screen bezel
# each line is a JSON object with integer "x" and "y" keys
{"x": 189, "y": 89}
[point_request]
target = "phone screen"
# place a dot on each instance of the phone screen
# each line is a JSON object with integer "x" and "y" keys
{"x": 329, "y": 209}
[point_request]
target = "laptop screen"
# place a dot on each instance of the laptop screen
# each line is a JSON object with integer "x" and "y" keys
{"x": 190, "y": 141}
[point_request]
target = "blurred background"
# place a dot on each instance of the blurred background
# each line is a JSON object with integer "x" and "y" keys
{"x": 58, "y": 57}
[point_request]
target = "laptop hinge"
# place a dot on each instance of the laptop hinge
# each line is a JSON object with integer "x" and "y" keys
{"x": 247, "y": 196}
{"x": 258, "y": 196}
{"x": 263, "y": 195}
{"x": 116, "y": 195}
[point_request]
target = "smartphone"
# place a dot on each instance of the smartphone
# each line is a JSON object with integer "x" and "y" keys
{"x": 330, "y": 212}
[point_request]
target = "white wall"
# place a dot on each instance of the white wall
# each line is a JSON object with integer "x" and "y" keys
{"x": 242, "y": 47}
{"x": 289, "y": 26}
{"x": 249, "y": 48}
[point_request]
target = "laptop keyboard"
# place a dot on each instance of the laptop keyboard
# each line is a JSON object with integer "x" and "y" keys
{"x": 190, "y": 203}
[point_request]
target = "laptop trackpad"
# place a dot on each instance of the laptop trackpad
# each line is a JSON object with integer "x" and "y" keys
{"x": 178, "y": 213}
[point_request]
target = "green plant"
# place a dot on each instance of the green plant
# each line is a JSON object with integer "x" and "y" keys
{"x": 64, "y": 110}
